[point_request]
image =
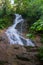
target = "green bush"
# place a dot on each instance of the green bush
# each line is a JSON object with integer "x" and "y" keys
{"x": 33, "y": 11}
{"x": 5, "y": 22}
{"x": 31, "y": 36}
{"x": 30, "y": 9}
{"x": 1, "y": 12}
{"x": 37, "y": 26}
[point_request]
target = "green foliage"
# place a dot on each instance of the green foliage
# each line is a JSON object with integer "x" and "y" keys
{"x": 6, "y": 8}
{"x": 5, "y": 22}
{"x": 33, "y": 10}
{"x": 31, "y": 36}
{"x": 30, "y": 9}
{"x": 37, "y": 26}
{"x": 1, "y": 12}
{"x": 5, "y": 11}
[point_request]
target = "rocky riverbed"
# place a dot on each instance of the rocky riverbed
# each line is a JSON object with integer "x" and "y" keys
{"x": 16, "y": 54}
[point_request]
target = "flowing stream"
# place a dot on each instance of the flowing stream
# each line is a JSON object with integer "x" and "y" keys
{"x": 15, "y": 36}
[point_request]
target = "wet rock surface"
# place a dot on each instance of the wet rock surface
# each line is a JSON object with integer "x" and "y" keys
{"x": 16, "y": 54}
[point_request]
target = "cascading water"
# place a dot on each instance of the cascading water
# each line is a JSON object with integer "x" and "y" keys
{"x": 14, "y": 35}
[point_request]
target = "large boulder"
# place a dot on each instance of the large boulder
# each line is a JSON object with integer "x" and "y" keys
{"x": 3, "y": 46}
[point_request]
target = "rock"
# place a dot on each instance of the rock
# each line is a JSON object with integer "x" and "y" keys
{"x": 3, "y": 62}
{"x": 31, "y": 49}
{"x": 3, "y": 46}
{"x": 3, "y": 39}
{"x": 23, "y": 57}
{"x": 16, "y": 54}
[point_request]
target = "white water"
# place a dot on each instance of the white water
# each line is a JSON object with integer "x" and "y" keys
{"x": 14, "y": 36}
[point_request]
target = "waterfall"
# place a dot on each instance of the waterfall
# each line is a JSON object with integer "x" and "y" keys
{"x": 15, "y": 36}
